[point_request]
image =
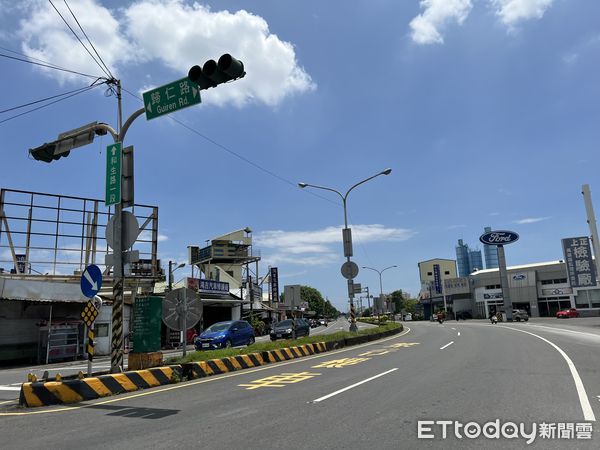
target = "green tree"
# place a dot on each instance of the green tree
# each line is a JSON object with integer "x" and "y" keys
{"x": 398, "y": 301}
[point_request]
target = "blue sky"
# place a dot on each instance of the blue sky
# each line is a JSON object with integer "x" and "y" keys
{"x": 487, "y": 111}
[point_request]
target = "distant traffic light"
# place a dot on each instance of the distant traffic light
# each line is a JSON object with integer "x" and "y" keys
{"x": 47, "y": 153}
{"x": 214, "y": 73}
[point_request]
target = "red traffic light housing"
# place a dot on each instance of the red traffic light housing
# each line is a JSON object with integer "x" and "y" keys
{"x": 214, "y": 73}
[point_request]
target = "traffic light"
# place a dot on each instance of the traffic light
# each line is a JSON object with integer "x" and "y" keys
{"x": 214, "y": 73}
{"x": 47, "y": 153}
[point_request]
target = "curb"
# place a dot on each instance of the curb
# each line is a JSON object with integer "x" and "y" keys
{"x": 43, "y": 393}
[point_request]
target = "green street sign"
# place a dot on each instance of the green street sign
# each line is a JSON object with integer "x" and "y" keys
{"x": 147, "y": 321}
{"x": 171, "y": 97}
{"x": 113, "y": 174}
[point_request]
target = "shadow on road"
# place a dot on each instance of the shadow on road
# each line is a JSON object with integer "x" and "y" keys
{"x": 137, "y": 413}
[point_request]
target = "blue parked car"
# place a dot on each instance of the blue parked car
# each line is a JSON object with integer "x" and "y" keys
{"x": 225, "y": 335}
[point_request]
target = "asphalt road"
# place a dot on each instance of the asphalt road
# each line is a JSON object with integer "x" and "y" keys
{"x": 376, "y": 395}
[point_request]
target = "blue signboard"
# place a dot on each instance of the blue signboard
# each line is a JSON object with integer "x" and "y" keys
{"x": 437, "y": 279}
{"x": 91, "y": 281}
{"x": 274, "y": 285}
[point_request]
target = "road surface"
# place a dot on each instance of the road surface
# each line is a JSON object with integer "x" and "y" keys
{"x": 391, "y": 393}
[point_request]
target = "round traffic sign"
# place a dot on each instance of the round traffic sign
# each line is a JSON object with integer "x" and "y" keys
{"x": 131, "y": 230}
{"x": 91, "y": 280}
{"x": 349, "y": 270}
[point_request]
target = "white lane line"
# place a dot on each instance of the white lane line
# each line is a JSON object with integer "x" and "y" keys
{"x": 454, "y": 328}
{"x": 10, "y": 388}
{"x": 597, "y": 336}
{"x": 352, "y": 386}
{"x": 459, "y": 333}
{"x": 447, "y": 345}
{"x": 586, "y": 407}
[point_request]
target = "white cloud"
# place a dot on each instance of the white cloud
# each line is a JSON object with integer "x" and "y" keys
{"x": 320, "y": 247}
{"x": 436, "y": 15}
{"x": 177, "y": 36}
{"x": 529, "y": 220}
{"x": 514, "y": 11}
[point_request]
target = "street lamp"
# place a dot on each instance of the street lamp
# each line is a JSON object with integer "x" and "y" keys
{"x": 380, "y": 283}
{"x": 171, "y": 272}
{"x": 349, "y": 269}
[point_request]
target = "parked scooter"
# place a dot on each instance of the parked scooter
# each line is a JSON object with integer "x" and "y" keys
{"x": 494, "y": 319}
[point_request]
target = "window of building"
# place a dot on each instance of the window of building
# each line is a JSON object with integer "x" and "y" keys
{"x": 101, "y": 330}
{"x": 493, "y": 286}
{"x": 560, "y": 281}
{"x": 229, "y": 272}
{"x": 429, "y": 273}
{"x": 447, "y": 272}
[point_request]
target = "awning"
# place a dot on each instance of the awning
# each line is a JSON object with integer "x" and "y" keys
{"x": 41, "y": 290}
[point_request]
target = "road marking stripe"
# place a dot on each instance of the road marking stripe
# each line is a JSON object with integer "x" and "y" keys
{"x": 10, "y": 388}
{"x": 568, "y": 331}
{"x": 447, "y": 345}
{"x": 459, "y": 333}
{"x": 586, "y": 407}
{"x": 160, "y": 390}
{"x": 353, "y": 386}
{"x": 8, "y": 401}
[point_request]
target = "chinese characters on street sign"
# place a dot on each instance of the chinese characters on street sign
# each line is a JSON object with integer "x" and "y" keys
{"x": 437, "y": 279}
{"x": 580, "y": 266}
{"x": 170, "y": 97}
{"x": 274, "y": 278}
{"x": 113, "y": 174}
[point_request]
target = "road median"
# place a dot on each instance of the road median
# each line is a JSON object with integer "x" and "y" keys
{"x": 195, "y": 365}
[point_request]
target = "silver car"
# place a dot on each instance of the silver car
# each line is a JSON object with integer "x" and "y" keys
{"x": 520, "y": 314}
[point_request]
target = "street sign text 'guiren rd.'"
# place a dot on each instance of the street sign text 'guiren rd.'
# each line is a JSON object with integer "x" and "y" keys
{"x": 170, "y": 97}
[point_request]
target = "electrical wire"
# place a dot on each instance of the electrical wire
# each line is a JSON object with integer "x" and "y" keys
{"x": 51, "y": 103}
{"x": 43, "y": 100}
{"x": 88, "y": 39}
{"x": 48, "y": 65}
{"x": 237, "y": 155}
{"x": 80, "y": 41}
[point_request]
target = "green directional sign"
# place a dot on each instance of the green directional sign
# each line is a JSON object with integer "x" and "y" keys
{"x": 170, "y": 97}
{"x": 113, "y": 174}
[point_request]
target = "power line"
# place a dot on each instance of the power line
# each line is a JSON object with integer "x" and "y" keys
{"x": 51, "y": 103}
{"x": 43, "y": 100}
{"x": 47, "y": 65}
{"x": 80, "y": 41}
{"x": 88, "y": 39}
{"x": 241, "y": 157}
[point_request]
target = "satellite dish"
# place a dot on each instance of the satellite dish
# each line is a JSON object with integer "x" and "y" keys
{"x": 179, "y": 304}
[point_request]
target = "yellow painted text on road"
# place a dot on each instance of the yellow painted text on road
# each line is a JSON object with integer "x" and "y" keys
{"x": 403, "y": 345}
{"x": 339, "y": 363}
{"x": 280, "y": 380}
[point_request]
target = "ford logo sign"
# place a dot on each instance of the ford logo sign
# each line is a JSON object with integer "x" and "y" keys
{"x": 519, "y": 277}
{"x": 499, "y": 237}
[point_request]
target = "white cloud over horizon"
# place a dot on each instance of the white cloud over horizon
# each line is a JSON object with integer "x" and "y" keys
{"x": 436, "y": 15}
{"x": 427, "y": 27}
{"x": 320, "y": 247}
{"x": 137, "y": 34}
{"x": 529, "y": 220}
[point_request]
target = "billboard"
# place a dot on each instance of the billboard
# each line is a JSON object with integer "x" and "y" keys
{"x": 274, "y": 278}
{"x": 456, "y": 286}
{"x": 578, "y": 258}
{"x": 437, "y": 279}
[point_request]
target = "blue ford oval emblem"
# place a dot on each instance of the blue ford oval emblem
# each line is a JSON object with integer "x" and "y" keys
{"x": 519, "y": 277}
{"x": 499, "y": 237}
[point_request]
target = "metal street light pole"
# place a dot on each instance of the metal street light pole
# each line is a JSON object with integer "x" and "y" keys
{"x": 171, "y": 272}
{"x": 347, "y": 240}
{"x": 380, "y": 272}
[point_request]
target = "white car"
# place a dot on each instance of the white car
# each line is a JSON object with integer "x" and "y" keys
{"x": 408, "y": 316}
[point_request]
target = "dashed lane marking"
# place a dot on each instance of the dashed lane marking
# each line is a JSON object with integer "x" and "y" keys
{"x": 325, "y": 397}
{"x": 447, "y": 345}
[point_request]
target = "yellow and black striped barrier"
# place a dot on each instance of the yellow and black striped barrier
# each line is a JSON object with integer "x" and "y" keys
{"x": 77, "y": 390}
{"x": 283, "y": 354}
{"x": 201, "y": 369}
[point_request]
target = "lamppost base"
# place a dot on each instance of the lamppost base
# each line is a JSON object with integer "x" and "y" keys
{"x": 353, "y": 328}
